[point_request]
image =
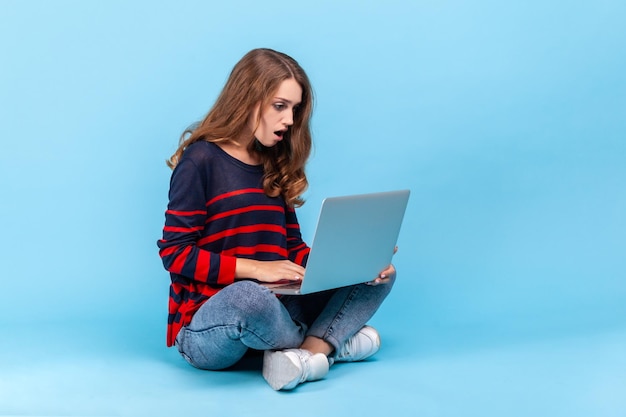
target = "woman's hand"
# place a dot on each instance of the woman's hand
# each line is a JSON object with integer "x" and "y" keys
{"x": 385, "y": 275}
{"x": 268, "y": 271}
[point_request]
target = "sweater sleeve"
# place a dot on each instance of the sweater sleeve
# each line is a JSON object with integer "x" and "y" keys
{"x": 297, "y": 249}
{"x": 184, "y": 222}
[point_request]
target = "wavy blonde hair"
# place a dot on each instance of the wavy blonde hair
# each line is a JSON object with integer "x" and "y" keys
{"x": 255, "y": 79}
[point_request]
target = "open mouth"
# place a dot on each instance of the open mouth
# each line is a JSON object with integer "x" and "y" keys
{"x": 280, "y": 133}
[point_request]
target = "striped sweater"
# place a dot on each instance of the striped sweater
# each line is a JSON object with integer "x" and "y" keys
{"x": 218, "y": 212}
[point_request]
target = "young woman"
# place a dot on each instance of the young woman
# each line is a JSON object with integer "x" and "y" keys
{"x": 230, "y": 224}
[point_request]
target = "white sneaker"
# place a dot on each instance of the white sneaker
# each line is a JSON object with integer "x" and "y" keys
{"x": 285, "y": 369}
{"x": 362, "y": 345}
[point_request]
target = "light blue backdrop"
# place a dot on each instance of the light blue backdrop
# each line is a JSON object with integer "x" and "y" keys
{"x": 507, "y": 121}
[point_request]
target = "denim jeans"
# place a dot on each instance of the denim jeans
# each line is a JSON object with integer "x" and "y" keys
{"x": 246, "y": 315}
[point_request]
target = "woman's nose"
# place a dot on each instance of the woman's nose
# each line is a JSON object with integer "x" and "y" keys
{"x": 288, "y": 119}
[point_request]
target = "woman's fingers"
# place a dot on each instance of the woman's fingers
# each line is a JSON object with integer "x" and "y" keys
{"x": 272, "y": 271}
{"x": 384, "y": 276}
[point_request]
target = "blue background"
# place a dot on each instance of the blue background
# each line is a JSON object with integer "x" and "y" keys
{"x": 506, "y": 120}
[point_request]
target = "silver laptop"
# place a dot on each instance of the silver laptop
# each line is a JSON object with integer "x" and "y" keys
{"x": 354, "y": 241}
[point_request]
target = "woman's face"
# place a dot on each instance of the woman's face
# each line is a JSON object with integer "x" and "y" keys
{"x": 277, "y": 116}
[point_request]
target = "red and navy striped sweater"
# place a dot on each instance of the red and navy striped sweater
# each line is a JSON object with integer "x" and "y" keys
{"x": 218, "y": 212}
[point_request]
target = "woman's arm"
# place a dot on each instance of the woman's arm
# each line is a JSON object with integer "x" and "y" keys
{"x": 268, "y": 271}
{"x": 297, "y": 249}
{"x": 272, "y": 271}
{"x": 184, "y": 222}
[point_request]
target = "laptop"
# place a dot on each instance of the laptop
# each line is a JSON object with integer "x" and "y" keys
{"x": 354, "y": 241}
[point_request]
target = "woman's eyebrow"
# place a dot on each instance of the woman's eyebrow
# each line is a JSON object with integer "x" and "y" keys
{"x": 285, "y": 100}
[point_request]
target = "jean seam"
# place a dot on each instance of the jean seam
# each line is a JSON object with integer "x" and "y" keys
{"x": 328, "y": 334}
{"x": 240, "y": 329}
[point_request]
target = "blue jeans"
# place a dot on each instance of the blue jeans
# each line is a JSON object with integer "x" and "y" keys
{"x": 246, "y": 315}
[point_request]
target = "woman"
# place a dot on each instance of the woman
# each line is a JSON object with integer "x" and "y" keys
{"x": 230, "y": 224}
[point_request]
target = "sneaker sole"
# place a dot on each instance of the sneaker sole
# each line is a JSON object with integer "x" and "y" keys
{"x": 279, "y": 371}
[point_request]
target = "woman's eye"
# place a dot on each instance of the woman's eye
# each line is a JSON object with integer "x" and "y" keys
{"x": 279, "y": 106}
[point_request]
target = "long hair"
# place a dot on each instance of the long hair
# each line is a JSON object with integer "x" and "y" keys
{"x": 253, "y": 80}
